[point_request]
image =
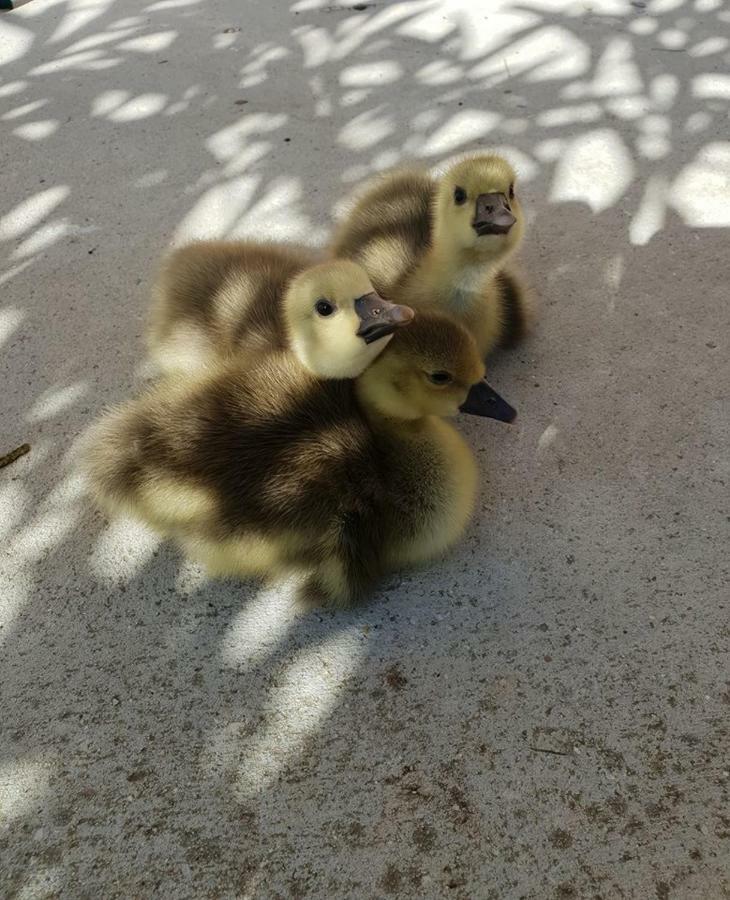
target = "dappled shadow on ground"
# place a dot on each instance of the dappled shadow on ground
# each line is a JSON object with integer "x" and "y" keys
{"x": 544, "y": 712}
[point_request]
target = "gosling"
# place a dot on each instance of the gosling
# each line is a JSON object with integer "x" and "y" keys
{"x": 219, "y": 299}
{"x": 267, "y": 471}
{"x": 443, "y": 242}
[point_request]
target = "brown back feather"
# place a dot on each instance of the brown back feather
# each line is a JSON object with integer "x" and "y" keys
{"x": 201, "y": 284}
{"x": 398, "y": 207}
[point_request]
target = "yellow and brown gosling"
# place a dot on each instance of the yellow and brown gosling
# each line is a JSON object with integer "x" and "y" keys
{"x": 265, "y": 470}
{"x": 442, "y": 242}
{"x": 220, "y": 299}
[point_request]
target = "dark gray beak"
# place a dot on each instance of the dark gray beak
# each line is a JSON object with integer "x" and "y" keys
{"x": 379, "y": 318}
{"x": 482, "y": 400}
{"x": 493, "y": 215}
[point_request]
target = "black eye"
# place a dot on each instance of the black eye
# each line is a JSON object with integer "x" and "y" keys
{"x": 439, "y": 377}
{"x": 459, "y": 196}
{"x": 512, "y": 191}
{"x": 324, "y": 307}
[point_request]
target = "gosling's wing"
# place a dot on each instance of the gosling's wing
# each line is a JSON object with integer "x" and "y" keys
{"x": 388, "y": 227}
{"x": 215, "y": 298}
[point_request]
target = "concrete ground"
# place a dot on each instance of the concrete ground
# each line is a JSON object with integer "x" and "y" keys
{"x": 542, "y": 715}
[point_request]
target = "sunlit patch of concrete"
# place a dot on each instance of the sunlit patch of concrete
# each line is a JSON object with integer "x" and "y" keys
{"x": 710, "y": 46}
{"x": 36, "y": 131}
{"x": 613, "y": 271}
{"x": 279, "y": 213}
{"x": 98, "y": 40}
{"x": 150, "y": 43}
{"x": 232, "y": 140}
{"x": 533, "y": 57}
{"x": 161, "y": 5}
{"x": 152, "y": 179}
{"x": 460, "y": 129}
{"x": 352, "y": 98}
{"x": 13, "y": 502}
{"x": 370, "y": 74}
{"x": 708, "y": 5}
{"x": 24, "y": 110}
{"x": 54, "y": 401}
{"x": 568, "y": 115}
{"x": 440, "y": 71}
{"x": 12, "y": 88}
{"x": 79, "y": 14}
{"x": 672, "y": 38}
{"x": 697, "y": 121}
{"x": 713, "y": 85}
{"x": 122, "y": 550}
{"x": 108, "y": 101}
{"x": 547, "y": 438}
{"x": 661, "y": 7}
{"x": 14, "y": 271}
{"x": 29, "y": 213}
{"x": 650, "y": 217}
{"x": 23, "y": 786}
{"x": 653, "y": 146}
{"x": 616, "y": 72}
{"x": 595, "y": 169}
{"x": 701, "y": 191}
{"x": 256, "y": 630}
{"x": 218, "y": 209}
{"x": 643, "y": 26}
{"x": 141, "y": 107}
{"x": 386, "y": 159}
{"x": 87, "y": 59}
{"x": 366, "y": 130}
{"x": 663, "y": 91}
{"x": 306, "y": 691}
{"x": 14, "y": 40}
{"x": 10, "y": 321}
{"x": 316, "y": 45}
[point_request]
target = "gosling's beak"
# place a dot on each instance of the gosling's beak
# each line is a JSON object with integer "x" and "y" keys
{"x": 493, "y": 215}
{"x": 483, "y": 400}
{"x": 379, "y": 318}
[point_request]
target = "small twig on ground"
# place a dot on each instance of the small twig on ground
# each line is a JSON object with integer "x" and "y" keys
{"x": 13, "y": 455}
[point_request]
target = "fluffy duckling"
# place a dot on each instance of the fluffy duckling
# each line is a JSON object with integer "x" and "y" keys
{"x": 442, "y": 241}
{"x": 267, "y": 471}
{"x": 217, "y": 299}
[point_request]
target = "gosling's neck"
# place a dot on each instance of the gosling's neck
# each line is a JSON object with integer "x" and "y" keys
{"x": 386, "y": 410}
{"x": 455, "y": 275}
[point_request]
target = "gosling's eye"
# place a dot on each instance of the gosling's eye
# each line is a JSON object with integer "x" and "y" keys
{"x": 439, "y": 377}
{"x": 459, "y": 196}
{"x": 512, "y": 191}
{"x": 324, "y": 308}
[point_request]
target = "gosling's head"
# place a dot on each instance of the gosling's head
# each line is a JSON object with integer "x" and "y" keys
{"x": 477, "y": 208}
{"x": 336, "y": 322}
{"x": 432, "y": 368}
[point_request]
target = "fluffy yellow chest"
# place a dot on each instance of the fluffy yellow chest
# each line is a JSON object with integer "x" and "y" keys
{"x": 446, "y": 489}
{"x": 467, "y": 293}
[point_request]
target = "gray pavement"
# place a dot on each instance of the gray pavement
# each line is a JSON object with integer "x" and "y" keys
{"x": 542, "y": 715}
